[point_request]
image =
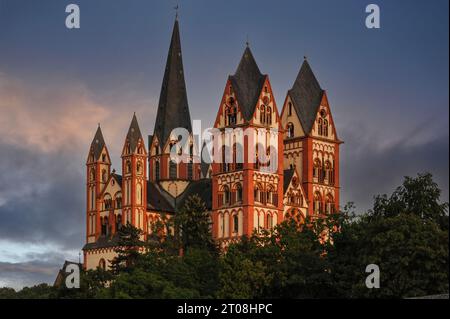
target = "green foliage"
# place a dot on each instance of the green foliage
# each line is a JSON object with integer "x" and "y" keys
{"x": 130, "y": 246}
{"x": 405, "y": 234}
{"x": 193, "y": 225}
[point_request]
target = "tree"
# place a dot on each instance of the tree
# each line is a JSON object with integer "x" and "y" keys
{"x": 129, "y": 248}
{"x": 419, "y": 196}
{"x": 404, "y": 235}
{"x": 193, "y": 225}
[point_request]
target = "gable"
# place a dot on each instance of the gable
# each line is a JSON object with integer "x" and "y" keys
{"x": 323, "y": 116}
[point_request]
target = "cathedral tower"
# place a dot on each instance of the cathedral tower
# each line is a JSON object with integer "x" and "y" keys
{"x": 247, "y": 192}
{"x": 173, "y": 113}
{"x": 311, "y": 144}
{"x": 98, "y": 169}
{"x": 134, "y": 177}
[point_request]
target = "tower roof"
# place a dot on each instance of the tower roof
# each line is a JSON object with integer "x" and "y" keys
{"x": 173, "y": 108}
{"x": 98, "y": 143}
{"x": 306, "y": 95}
{"x": 134, "y": 133}
{"x": 247, "y": 82}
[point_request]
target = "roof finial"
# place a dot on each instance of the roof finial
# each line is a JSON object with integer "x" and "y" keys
{"x": 305, "y": 57}
{"x": 176, "y": 11}
{"x": 98, "y": 124}
{"x": 247, "y": 43}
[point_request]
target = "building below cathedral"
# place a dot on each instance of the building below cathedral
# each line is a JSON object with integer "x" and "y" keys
{"x": 241, "y": 196}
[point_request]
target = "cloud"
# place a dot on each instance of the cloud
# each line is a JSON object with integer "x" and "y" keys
{"x": 368, "y": 169}
{"x": 45, "y": 133}
{"x": 41, "y": 268}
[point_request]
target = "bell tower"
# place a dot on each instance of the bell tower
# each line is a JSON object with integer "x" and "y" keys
{"x": 134, "y": 177}
{"x": 247, "y": 178}
{"x": 98, "y": 169}
{"x": 311, "y": 143}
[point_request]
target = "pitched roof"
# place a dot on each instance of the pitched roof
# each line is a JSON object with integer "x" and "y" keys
{"x": 288, "y": 174}
{"x": 173, "y": 108}
{"x": 306, "y": 95}
{"x": 160, "y": 200}
{"x": 118, "y": 178}
{"x": 98, "y": 143}
{"x": 205, "y": 160}
{"x": 247, "y": 82}
{"x": 202, "y": 188}
{"x": 134, "y": 133}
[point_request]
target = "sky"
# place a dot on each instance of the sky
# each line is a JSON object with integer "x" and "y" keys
{"x": 387, "y": 87}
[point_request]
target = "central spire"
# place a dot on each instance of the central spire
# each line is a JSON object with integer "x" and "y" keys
{"x": 173, "y": 108}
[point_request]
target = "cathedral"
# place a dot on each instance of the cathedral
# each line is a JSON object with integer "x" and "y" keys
{"x": 298, "y": 177}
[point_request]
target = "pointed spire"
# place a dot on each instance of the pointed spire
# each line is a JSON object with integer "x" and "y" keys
{"x": 306, "y": 95}
{"x": 134, "y": 133}
{"x": 247, "y": 83}
{"x": 98, "y": 143}
{"x": 173, "y": 108}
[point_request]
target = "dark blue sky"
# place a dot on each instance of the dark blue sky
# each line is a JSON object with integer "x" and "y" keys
{"x": 388, "y": 90}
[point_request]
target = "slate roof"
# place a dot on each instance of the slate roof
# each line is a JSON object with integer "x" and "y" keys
{"x": 306, "y": 95}
{"x": 158, "y": 199}
{"x": 173, "y": 108}
{"x": 202, "y": 188}
{"x": 134, "y": 133}
{"x": 204, "y": 165}
{"x": 288, "y": 173}
{"x": 247, "y": 83}
{"x": 103, "y": 242}
{"x": 98, "y": 143}
{"x": 118, "y": 178}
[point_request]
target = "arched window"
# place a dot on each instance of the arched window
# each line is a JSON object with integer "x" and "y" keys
{"x": 102, "y": 264}
{"x": 156, "y": 148}
{"x": 92, "y": 175}
{"x": 226, "y": 195}
{"x": 320, "y": 126}
{"x": 108, "y": 202}
{"x": 328, "y": 172}
{"x": 139, "y": 194}
{"x": 118, "y": 221}
{"x": 269, "y": 221}
{"x": 235, "y": 223}
{"x": 317, "y": 168}
{"x": 119, "y": 201}
{"x": 325, "y": 127}
{"x": 104, "y": 176}
{"x": 128, "y": 167}
{"x": 262, "y": 114}
{"x": 269, "y": 115}
{"x": 172, "y": 169}
{"x": 317, "y": 204}
{"x": 238, "y": 192}
{"x": 257, "y": 193}
{"x": 139, "y": 168}
{"x": 290, "y": 130}
{"x": 329, "y": 204}
{"x": 157, "y": 170}
{"x": 289, "y": 109}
